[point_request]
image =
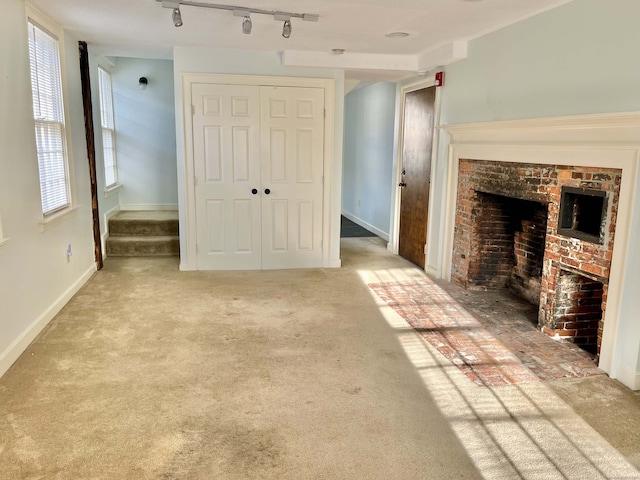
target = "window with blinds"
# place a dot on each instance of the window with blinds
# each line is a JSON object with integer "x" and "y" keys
{"x": 48, "y": 113}
{"x": 108, "y": 128}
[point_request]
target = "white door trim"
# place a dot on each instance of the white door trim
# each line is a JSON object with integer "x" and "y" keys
{"x": 188, "y": 258}
{"x": 394, "y": 237}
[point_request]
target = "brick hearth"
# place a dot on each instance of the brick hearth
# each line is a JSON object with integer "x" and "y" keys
{"x": 506, "y": 236}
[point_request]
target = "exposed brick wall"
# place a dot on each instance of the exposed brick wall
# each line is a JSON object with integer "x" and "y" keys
{"x": 529, "y": 246}
{"x": 538, "y": 183}
{"x": 492, "y": 251}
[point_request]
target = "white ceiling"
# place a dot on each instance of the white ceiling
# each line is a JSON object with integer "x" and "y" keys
{"x": 142, "y": 28}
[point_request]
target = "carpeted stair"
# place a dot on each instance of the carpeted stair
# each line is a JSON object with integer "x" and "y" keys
{"x": 143, "y": 234}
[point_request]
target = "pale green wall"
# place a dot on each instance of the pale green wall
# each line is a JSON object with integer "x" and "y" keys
{"x": 583, "y": 57}
{"x": 369, "y": 116}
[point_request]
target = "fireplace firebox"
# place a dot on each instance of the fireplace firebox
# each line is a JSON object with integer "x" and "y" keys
{"x": 546, "y": 232}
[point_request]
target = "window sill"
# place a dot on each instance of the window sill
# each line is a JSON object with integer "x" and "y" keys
{"x": 57, "y": 218}
{"x": 111, "y": 190}
{"x": 3, "y": 241}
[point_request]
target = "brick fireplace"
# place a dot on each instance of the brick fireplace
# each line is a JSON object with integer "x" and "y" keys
{"x": 580, "y": 260}
{"x": 545, "y": 232}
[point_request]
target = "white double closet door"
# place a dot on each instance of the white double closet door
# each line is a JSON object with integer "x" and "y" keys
{"x": 258, "y": 164}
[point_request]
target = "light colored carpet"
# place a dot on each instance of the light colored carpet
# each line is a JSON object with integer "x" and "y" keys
{"x": 152, "y": 373}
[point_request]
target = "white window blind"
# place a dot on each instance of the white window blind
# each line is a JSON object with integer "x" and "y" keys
{"x": 108, "y": 128}
{"x": 48, "y": 112}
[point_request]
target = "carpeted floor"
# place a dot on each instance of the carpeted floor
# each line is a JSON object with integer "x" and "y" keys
{"x": 152, "y": 373}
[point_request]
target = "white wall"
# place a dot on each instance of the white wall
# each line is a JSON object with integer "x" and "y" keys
{"x": 35, "y": 278}
{"x": 369, "y": 120}
{"x": 145, "y": 133}
{"x": 237, "y": 62}
{"x": 583, "y": 57}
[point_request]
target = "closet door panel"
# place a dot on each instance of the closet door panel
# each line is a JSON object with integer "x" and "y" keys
{"x": 226, "y": 146}
{"x": 292, "y": 124}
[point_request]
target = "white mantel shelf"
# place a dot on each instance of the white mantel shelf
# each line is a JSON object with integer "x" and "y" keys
{"x": 622, "y": 129}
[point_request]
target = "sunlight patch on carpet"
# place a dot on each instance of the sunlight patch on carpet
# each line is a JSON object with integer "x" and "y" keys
{"x": 455, "y": 333}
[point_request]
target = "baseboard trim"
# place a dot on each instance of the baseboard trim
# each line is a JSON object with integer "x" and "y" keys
{"x": 627, "y": 377}
{"x": 135, "y": 206}
{"x": 335, "y": 263}
{"x": 17, "y": 348}
{"x": 363, "y": 224}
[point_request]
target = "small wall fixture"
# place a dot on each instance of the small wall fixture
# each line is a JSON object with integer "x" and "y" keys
{"x": 286, "y": 29}
{"x": 177, "y": 17}
{"x": 247, "y": 25}
{"x": 142, "y": 83}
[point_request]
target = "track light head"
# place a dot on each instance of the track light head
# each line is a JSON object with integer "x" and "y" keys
{"x": 177, "y": 17}
{"x": 286, "y": 29}
{"x": 246, "y": 25}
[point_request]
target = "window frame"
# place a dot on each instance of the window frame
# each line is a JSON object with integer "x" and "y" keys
{"x": 108, "y": 187}
{"x": 44, "y": 23}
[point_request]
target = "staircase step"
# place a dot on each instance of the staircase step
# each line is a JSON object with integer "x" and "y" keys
{"x": 147, "y": 223}
{"x": 143, "y": 246}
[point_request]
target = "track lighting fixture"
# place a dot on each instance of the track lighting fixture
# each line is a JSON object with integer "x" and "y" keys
{"x": 246, "y": 25}
{"x": 177, "y": 17}
{"x": 286, "y": 29}
{"x": 240, "y": 12}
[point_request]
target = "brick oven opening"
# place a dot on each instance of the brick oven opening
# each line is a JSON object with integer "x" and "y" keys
{"x": 579, "y": 308}
{"x": 582, "y": 214}
{"x": 509, "y": 250}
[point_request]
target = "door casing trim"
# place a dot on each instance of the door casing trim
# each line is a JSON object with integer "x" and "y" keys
{"x": 394, "y": 235}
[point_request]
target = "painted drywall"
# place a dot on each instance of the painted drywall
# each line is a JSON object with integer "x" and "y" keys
{"x": 35, "y": 277}
{"x": 581, "y": 58}
{"x": 369, "y": 120}
{"x": 237, "y": 62}
{"x": 145, "y": 133}
{"x": 576, "y": 59}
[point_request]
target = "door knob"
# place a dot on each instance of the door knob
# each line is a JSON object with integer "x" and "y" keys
{"x": 254, "y": 190}
{"x": 267, "y": 191}
{"x": 402, "y": 184}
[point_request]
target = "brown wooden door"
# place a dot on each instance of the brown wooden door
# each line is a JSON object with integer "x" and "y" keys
{"x": 416, "y": 173}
